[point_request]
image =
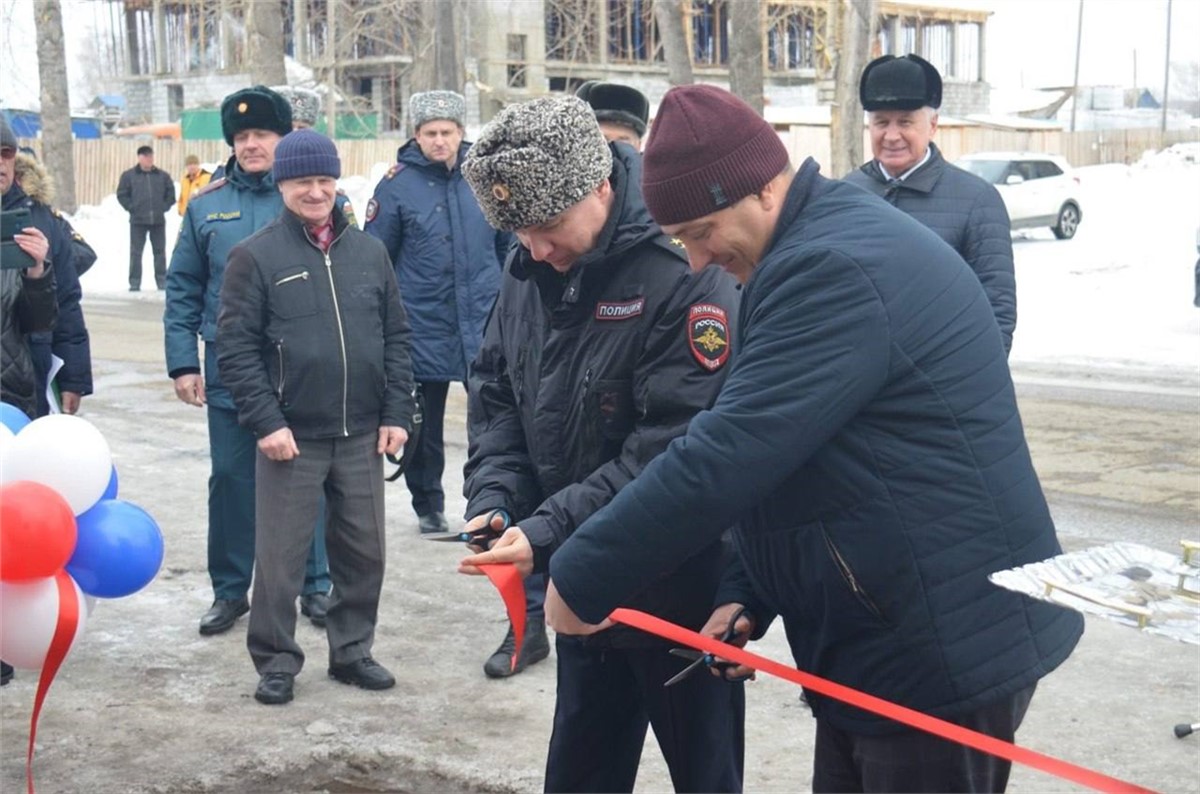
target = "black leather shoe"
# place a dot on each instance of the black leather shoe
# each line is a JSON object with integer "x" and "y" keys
{"x": 274, "y": 688}
{"x": 6, "y": 673}
{"x": 535, "y": 648}
{"x": 223, "y": 614}
{"x": 433, "y": 522}
{"x": 366, "y": 673}
{"x": 315, "y": 606}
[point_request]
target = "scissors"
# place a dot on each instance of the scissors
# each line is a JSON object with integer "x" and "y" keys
{"x": 480, "y": 537}
{"x": 700, "y": 658}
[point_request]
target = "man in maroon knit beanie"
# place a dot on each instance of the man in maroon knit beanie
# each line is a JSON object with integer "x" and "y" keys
{"x": 866, "y": 445}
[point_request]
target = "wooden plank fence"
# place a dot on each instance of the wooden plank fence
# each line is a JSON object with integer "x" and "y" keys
{"x": 99, "y": 163}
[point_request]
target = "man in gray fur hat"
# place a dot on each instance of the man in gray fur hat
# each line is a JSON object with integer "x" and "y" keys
{"x": 601, "y": 348}
{"x": 447, "y": 262}
{"x": 306, "y": 105}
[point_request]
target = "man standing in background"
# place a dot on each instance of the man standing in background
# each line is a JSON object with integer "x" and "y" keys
{"x": 323, "y": 426}
{"x": 193, "y": 179}
{"x": 305, "y": 103}
{"x": 621, "y": 111}
{"x": 224, "y": 214}
{"x": 146, "y": 192}
{"x": 901, "y": 97}
{"x": 447, "y": 261}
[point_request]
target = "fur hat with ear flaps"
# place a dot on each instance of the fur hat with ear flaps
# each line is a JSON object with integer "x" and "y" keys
{"x": 908, "y": 83}
{"x": 535, "y": 160}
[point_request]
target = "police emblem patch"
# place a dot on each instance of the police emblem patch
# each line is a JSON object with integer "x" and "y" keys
{"x": 708, "y": 335}
{"x": 372, "y": 208}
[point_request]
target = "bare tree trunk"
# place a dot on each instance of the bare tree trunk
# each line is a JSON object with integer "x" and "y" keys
{"x": 264, "y": 42}
{"x": 58, "y": 149}
{"x": 424, "y": 69}
{"x": 669, "y": 16}
{"x": 333, "y": 52}
{"x": 746, "y": 51}
{"x": 846, "y": 114}
{"x": 445, "y": 48}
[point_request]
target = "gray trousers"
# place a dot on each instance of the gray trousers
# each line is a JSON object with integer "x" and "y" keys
{"x": 350, "y": 474}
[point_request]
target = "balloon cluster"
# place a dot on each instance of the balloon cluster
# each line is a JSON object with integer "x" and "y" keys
{"x": 62, "y": 523}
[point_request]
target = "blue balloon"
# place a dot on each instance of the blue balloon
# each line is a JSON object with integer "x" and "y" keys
{"x": 13, "y": 417}
{"x": 110, "y": 492}
{"x": 118, "y": 551}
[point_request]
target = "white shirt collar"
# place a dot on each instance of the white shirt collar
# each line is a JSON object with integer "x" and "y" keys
{"x": 906, "y": 174}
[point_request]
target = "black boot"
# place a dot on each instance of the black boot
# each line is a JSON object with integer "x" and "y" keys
{"x": 535, "y": 648}
{"x": 6, "y": 673}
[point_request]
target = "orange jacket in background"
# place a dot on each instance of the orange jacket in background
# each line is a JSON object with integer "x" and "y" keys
{"x": 189, "y": 185}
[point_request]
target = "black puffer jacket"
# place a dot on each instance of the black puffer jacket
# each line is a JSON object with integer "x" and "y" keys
{"x": 967, "y": 213}
{"x": 26, "y": 305}
{"x": 584, "y": 377}
{"x": 313, "y": 342}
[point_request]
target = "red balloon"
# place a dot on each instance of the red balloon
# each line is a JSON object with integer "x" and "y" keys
{"x": 37, "y": 531}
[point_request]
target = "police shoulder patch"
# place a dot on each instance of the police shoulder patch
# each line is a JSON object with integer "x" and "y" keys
{"x": 372, "y": 209}
{"x": 216, "y": 184}
{"x": 348, "y": 209}
{"x": 708, "y": 335}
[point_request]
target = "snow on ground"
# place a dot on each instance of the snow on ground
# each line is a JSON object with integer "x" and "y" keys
{"x": 1117, "y": 296}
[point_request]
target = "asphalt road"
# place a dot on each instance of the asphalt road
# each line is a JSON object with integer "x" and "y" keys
{"x": 144, "y": 704}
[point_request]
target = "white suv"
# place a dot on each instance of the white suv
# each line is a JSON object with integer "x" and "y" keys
{"x": 1038, "y": 189}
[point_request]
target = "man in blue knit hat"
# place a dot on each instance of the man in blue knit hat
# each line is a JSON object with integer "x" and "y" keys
{"x": 313, "y": 345}
{"x": 220, "y": 216}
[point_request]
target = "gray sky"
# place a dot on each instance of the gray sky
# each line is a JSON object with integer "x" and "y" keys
{"x": 1031, "y": 43}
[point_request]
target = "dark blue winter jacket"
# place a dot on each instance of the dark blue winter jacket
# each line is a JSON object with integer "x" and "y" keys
{"x": 965, "y": 211}
{"x": 447, "y": 259}
{"x": 69, "y": 340}
{"x": 868, "y": 443}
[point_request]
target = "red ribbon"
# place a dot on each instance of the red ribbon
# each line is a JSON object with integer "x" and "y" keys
{"x": 907, "y": 716}
{"x": 60, "y": 645}
{"x": 508, "y": 581}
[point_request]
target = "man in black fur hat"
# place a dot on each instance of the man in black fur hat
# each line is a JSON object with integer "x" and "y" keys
{"x": 901, "y": 97}
{"x": 621, "y": 111}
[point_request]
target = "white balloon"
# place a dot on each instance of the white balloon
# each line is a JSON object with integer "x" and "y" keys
{"x": 64, "y": 452}
{"x": 6, "y": 438}
{"x": 28, "y": 616}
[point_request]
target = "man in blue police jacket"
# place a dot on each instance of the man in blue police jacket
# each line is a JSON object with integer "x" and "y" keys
{"x": 447, "y": 262}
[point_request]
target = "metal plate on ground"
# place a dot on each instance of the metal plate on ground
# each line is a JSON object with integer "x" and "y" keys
{"x": 1127, "y": 583}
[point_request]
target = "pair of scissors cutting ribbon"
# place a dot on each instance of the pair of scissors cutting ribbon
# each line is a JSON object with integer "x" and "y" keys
{"x": 481, "y": 537}
{"x": 698, "y": 658}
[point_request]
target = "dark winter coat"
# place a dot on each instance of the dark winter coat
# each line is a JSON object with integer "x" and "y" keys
{"x": 26, "y": 305}
{"x": 313, "y": 341}
{"x": 146, "y": 195}
{"x": 584, "y": 377}
{"x": 223, "y": 214}
{"x": 68, "y": 251}
{"x": 867, "y": 442}
{"x": 447, "y": 258}
{"x": 967, "y": 213}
